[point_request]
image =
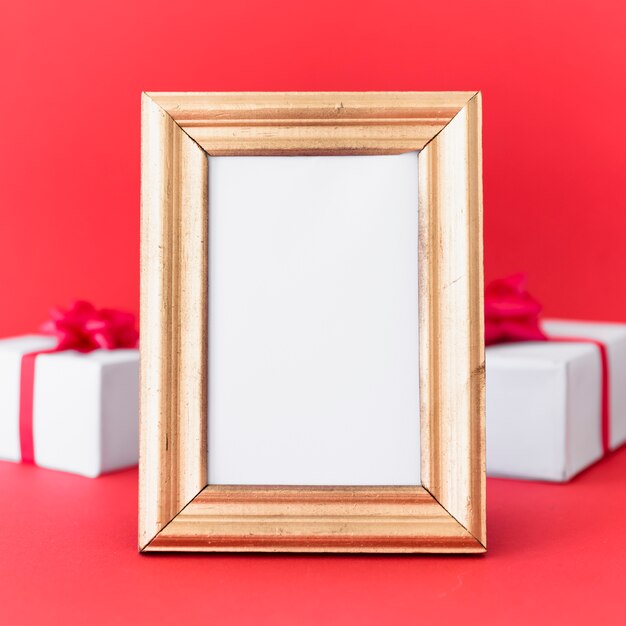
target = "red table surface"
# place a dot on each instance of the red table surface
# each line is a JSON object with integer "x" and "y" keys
{"x": 557, "y": 555}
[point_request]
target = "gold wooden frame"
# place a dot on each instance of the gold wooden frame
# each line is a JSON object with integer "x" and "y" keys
{"x": 178, "y": 510}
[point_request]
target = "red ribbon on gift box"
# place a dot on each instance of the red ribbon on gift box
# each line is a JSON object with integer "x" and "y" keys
{"x": 512, "y": 314}
{"x": 84, "y": 328}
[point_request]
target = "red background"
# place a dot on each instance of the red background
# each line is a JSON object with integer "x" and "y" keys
{"x": 552, "y": 74}
{"x": 71, "y": 73}
{"x": 68, "y": 558}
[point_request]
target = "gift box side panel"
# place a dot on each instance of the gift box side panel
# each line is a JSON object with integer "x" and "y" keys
{"x": 617, "y": 390}
{"x": 120, "y": 413}
{"x": 11, "y": 352}
{"x": 10, "y": 405}
{"x": 66, "y": 413}
{"x": 613, "y": 335}
{"x": 526, "y": 418}
{"x": 584, "y": 424}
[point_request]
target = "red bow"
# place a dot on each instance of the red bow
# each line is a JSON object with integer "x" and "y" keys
{"x": 84, "y": 328}
{"x": 511, "y": 313}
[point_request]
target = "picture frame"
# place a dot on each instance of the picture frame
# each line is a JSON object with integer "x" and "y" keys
{"x": 178, "y": 510}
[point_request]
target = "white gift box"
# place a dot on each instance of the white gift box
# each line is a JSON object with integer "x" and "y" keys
{"x": 544, "y": 402}
{"x": 85, "y": 406}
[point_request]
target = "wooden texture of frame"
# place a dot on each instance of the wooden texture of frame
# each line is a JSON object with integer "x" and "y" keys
{"x": 178, "y": 510}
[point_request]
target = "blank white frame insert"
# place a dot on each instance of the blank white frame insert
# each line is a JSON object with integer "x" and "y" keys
{"x": 313, "y": 321}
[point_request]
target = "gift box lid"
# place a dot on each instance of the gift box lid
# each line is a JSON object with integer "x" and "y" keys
{"x": 537, "y": 353}
{"x": 27, "y": 343}
{"x": 600, "y": 331}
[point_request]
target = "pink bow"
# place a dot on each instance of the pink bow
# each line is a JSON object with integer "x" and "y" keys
{"x": 84, "y": 328}
{"x": 511, "y": 313}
